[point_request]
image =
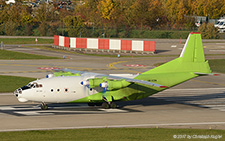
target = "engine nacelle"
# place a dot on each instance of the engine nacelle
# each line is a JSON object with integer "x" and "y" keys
{"x": 50, "y": 75}
{"x": 114, "y": 84}
{"x": 103, "y": 85}
{"x": 95, "y": 82}
{"x": 85, "y": 82}
{"x": 117, "y": 84}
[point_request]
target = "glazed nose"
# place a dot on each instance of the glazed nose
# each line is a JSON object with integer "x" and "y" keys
{"x": 17, "y": 92}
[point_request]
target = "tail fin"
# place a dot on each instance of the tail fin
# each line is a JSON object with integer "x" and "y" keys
{"x": 191, "y": 59}
{"x": 193, "y": 50}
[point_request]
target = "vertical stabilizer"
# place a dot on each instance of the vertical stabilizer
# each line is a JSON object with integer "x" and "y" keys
{"x": 193, "y": 49}
{"x": 191, "y": 59}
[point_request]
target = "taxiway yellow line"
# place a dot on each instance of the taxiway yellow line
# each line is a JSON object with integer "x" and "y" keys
{"x": 111, "y": 65}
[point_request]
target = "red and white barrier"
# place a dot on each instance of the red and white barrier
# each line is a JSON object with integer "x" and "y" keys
{"x": 61, "y": 41}
{"x": 105, "y": 44}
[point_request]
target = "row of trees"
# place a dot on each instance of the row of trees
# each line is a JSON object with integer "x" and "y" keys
{"x": 112, "y": 17}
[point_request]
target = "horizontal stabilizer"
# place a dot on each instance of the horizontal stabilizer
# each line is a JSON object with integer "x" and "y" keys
{"x": 205, "y": 74}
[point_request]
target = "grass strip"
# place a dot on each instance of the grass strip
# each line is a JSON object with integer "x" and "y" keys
{"x": 217, "y": 65}
{"x": 119, "y": 134}
{"x": 11, "y": 83}
{"x": 26, "y": 41}
{"x": 6, "y": 55}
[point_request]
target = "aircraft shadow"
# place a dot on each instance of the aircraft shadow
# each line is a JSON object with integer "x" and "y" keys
{"x": 187, "y": 100}
{"x": 161, "y": 51}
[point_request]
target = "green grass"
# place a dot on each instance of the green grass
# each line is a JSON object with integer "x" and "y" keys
{"x": 217, "y": 65}
{"x": 11, "y": 83}
{"x": 119, "y": 134}
{"x": 5, "y": 54}
{"x": 26, "y": 41}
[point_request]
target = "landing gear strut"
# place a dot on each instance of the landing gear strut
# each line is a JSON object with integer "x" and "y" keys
{"x": 44, "y": 106}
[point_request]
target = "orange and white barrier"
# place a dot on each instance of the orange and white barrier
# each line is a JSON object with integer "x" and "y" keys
{"x": 104, "y": 44}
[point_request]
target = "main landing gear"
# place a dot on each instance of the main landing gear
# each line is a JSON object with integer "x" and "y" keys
{"x": 107, "y": 104}
{"x": 44, "y": 106}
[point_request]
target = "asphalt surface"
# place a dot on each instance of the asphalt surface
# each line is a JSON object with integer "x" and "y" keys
{"x": 198, "y": 103}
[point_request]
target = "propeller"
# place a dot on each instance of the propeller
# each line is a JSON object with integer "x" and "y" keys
{"x": 86, "y": 84}
{"x": 104, "y": 85}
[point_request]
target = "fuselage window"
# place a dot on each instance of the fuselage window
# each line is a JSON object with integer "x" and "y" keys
{"x": 51, "y": 90}
{"x": 58, "y": 90}
{"x": 66, "y": 90}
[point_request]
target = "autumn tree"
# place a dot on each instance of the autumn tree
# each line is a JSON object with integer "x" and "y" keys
{"x": 208, "y": 31}
{"x": 106, "y": 8}
{"x": 155, "y": 13}
{"x": 74, "y": 25}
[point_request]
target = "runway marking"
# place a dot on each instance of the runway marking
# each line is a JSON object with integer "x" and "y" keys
{"x": 134, "y": 65}
{"x": 111, "y": 65}
{"x": 173, "y": 46}
{"x": 118, "y": 126}
{"x": 218, "y": 50}
{"x": 31, "y": 110}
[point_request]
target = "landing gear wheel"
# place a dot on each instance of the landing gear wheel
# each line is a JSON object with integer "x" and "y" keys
{"x": 105, "y": 105}
{"x": 44, "y": 106}
{"x": 113, "y": 105}
{"x": 98, "y": 104}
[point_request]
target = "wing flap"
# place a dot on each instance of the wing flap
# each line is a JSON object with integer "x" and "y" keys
{"x": 205, "y": 74}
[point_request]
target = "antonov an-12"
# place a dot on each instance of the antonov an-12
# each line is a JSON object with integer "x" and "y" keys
{"x": 94, "y": 88}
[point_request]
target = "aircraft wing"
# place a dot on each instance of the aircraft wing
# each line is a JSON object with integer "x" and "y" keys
{"x": 130, "y": 80}
{"x": 110, "y": 77}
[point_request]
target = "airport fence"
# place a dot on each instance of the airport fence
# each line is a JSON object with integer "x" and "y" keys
{"x": 106, "y": 44}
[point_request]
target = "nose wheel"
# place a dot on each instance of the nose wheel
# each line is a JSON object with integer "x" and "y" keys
{"x": 44, "y": 106}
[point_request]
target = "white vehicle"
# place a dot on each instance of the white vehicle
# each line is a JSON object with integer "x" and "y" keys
{"x": 221, "y": 25}
{"x": 10, "y": 1}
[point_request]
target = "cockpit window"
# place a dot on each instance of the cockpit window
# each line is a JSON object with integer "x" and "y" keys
{"x": 25, "y": 87}
{"x": 31, "y": 85}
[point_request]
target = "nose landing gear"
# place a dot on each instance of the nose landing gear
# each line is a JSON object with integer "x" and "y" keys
{"x": 44, "y": 106}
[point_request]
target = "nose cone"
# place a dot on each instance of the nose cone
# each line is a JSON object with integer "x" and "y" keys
{"x": 18, "y": 94}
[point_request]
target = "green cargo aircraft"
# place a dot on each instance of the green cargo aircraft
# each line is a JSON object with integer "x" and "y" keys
{"x": 71, "y": 86}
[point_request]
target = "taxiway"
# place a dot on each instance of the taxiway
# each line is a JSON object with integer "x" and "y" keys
{"x": 198, "y": 103}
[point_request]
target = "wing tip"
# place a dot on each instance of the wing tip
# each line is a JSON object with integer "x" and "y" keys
{"x": 195, "y": 33}
{"x": 163, "y": 86}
